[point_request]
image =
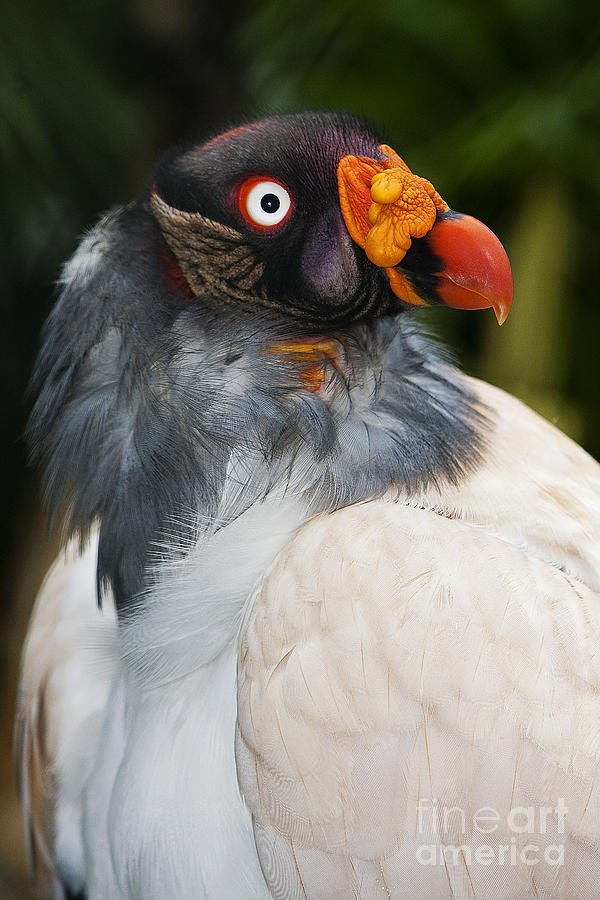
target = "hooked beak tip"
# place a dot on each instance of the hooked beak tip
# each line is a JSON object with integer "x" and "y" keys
{"x": 474, "y": 271}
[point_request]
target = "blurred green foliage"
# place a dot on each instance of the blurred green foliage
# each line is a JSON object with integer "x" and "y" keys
{"x": 497, "y": 104}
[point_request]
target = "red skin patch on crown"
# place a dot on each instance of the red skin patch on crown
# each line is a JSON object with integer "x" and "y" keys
{"x": 228, "y": 134}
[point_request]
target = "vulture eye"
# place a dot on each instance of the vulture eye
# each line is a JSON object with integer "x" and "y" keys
{"x": 264, "y": 202}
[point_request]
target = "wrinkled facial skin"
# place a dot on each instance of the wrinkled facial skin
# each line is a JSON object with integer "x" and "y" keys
{"x": 311, "y": 271}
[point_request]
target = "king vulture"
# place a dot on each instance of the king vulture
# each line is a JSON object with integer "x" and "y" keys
{"x": 327, "y": 620}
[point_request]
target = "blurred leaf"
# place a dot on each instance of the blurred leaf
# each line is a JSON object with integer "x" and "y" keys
{"x": 530, "y": 355}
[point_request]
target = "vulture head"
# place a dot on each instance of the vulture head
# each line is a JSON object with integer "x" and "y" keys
{"x": 316, "y": 221}
{"x": 242, "y": 328}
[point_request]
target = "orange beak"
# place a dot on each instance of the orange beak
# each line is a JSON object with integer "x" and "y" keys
{"x": 431, "y": 254}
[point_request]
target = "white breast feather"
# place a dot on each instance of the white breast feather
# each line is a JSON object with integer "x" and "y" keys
{"x": 435, "y": 665}
{"x": 439, "y": 650}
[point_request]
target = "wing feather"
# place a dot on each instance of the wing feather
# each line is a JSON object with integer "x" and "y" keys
{"x": 67, "y": 667}
{"x": 36, "y": 789}
{"x": 399, "y": 672}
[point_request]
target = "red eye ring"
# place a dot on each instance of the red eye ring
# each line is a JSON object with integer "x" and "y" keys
{"x": 264, "y": 202}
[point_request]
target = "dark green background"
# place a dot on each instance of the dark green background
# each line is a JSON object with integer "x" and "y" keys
{"x": 496, "y": 103}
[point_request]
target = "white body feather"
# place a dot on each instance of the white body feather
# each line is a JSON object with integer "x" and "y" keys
{"x": 439, "y": 648}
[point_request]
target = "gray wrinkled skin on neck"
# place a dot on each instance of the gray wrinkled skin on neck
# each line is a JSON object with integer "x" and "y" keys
{"x": 146, "y": 404}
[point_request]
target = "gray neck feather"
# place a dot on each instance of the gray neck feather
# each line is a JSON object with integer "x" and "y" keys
{"x": 153, "y": 416}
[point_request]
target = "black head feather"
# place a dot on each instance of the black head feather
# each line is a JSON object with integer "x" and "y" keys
{"x": 307, "y": 268}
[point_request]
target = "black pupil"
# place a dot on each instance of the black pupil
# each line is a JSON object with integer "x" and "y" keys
{"x": 270, "y": 203}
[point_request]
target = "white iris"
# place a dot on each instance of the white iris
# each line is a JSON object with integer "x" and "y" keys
{"x": 268, "y": 203}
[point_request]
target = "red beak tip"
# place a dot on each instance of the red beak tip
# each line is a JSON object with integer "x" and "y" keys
{"x": 476, "y": 270}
